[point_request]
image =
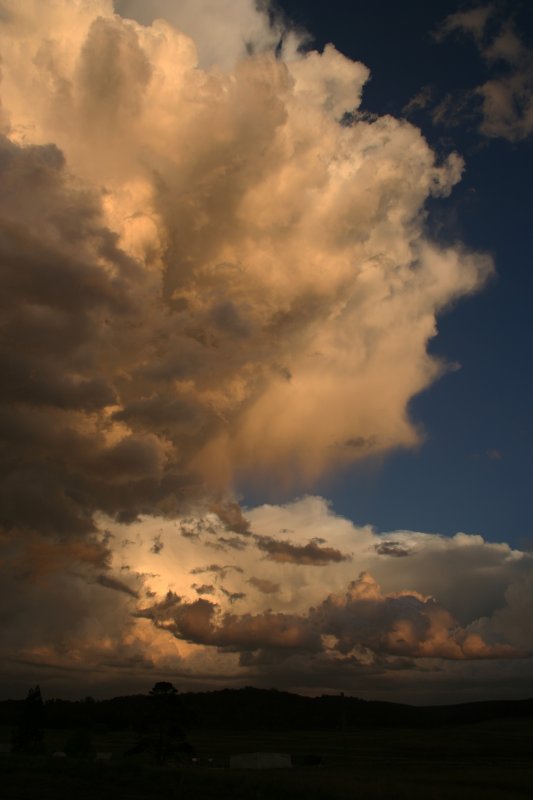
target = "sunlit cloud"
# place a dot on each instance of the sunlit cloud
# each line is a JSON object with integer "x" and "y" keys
{"x": 506, "y": 98}
{"x": 214, "y": 266}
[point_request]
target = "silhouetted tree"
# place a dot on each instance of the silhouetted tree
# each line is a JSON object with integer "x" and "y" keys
{"x": 28, "y": 737}
{"x": 163, "y": 689}
{"x": 166, "y": 712}
{"x": 166, "y": 721}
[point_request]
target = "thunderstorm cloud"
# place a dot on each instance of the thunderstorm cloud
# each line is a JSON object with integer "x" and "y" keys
{"x": 214, "y": 266}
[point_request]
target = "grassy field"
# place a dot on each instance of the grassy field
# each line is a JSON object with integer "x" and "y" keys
{"x": 488, "y": 760}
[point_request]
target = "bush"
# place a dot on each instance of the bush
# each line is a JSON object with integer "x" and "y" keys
{"x": 79, "y": 744}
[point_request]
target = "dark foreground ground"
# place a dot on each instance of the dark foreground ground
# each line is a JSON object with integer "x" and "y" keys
{"x": 492, "y": 759}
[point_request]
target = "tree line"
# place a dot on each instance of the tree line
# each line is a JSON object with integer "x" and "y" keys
{"x": 234, "y": 709}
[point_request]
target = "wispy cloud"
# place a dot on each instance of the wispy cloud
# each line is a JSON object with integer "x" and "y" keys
{"x": 506, "y": 99}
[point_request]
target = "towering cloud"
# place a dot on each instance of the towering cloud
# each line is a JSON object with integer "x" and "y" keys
{"x": 224, "y": 31}
{"x": 275, "y": 249}
{"x": 212, "y": 263}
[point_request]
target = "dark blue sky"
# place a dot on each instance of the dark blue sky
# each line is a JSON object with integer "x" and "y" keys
{"x": 473, "y": 472}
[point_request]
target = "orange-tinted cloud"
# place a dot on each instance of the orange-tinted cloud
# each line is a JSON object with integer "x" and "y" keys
{"x": 364, "y": 622}
{"x": 205, "y": 272}
{"x": 505, "y": 100}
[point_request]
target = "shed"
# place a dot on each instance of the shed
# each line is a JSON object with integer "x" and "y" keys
{"x": 260, "y": 761}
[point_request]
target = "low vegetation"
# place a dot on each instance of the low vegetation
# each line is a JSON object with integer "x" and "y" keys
{"x": 486, "y": 755}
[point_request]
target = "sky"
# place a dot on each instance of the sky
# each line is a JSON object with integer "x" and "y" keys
{"x": 266, "y": 301}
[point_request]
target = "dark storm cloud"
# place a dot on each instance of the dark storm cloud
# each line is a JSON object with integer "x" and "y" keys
{"x": 205, "y": 588}
{"x": 231, "y": 516}
{"x": 216, "y": 569}
{"x": 286, "y": 552}
{"x": 233, "y": 542}
{"x": 233, "y": 596}
{"x": 215, "y": 546}
{"x": 162, "y": 408}
{"x": 67, "y": 299}
{"x": 118, "y": 586}
{"x": 191, "y": 535}
{"x": 200, "y": 264}
{"x": 391, "y": 548}
{"x": 147, "y": 330}
{"x": 73, "y": 320}
{"x": 264, "y": 585}
{"x": 196, "y": 622}
{"x": 363, "y": 620}
{"x": 145, "y": 340}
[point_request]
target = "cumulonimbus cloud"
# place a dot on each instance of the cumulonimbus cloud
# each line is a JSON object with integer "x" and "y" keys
{"x": 205, "y": 272}
{"x": 363, "y": 622}
{"x": 253, "y": 259}
{"x": 477, "y": 614}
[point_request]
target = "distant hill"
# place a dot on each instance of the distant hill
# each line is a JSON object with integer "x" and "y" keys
{"x": 265, "y": 709}
{"x": 251, "y": 708}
